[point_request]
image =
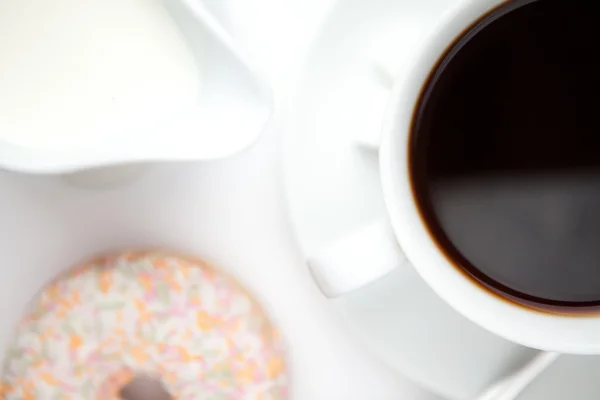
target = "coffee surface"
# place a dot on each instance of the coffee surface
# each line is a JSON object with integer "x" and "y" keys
{"x": 505, "y": 153}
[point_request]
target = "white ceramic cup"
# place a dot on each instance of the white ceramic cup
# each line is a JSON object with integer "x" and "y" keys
{"x": 370, "y": 253}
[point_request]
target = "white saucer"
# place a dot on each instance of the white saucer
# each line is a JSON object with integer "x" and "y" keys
{"x": 332, "y": 186}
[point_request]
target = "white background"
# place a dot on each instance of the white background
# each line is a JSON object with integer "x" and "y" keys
{"x": 232, "y": 212}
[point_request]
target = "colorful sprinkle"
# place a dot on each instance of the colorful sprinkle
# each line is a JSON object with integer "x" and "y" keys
{"x": 90, "y": 332}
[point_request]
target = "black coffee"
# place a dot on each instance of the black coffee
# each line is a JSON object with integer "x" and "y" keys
{"x": 505, "y": 153}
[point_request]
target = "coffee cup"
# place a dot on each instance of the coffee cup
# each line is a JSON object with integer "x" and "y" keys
{"x": 404, "y": 239}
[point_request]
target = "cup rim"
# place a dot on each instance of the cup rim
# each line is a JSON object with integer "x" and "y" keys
{"x": 529, "y": 327}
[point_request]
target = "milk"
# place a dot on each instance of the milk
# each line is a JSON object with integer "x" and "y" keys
{"x": 71, "y": 68}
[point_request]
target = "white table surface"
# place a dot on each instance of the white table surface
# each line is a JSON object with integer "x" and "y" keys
{"x": 230, "y": 211}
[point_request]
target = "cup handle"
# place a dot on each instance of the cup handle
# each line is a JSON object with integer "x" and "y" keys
{"x": 356, "y": 259}
{"x": 367, "y": 253}
{"x": 382, "y": 75}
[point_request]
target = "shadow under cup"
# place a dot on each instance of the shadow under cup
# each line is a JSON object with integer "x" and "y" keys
{"x": 504, "y": 154}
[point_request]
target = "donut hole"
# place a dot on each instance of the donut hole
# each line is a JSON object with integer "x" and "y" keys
{"x": 144, "y": 387}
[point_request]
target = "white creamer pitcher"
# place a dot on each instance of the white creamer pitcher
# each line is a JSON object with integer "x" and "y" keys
{"x": 231, "y": 110}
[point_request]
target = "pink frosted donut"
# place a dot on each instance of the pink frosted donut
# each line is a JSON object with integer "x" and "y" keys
{"x": 89, "y": 333}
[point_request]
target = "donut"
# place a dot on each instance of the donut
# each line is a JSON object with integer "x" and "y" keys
{"x": 95, "y": 329}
